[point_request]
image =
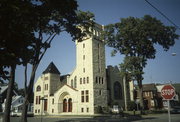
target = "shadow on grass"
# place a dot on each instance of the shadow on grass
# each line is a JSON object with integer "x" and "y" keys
{"x": 122, "y": 117}
{"x": 106, "y": 118}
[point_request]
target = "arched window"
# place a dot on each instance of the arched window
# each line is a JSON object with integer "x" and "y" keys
{"x": 71, "y": 83}
{"x": 53, "y": 101}
{"x": 84, "y": 80}
{"x": 96, "y": 79}
{"x": 64, "y": 105}
{"x": 99, "y": 80}
{"x": 70, "y": 105}
{"x": 102, "y": 80}
{"x": 38, "y": 88}
{"x": 75, "y": 84}
{"x": 117, "y": 90}
{"x": 80, "y": 80}
{"x": 87, "y": 79}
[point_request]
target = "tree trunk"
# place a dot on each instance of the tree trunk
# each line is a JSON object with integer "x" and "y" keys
{"x": 125, "y": 92}
{"x": 28, "y": 95}
{"x": 7, "y": 111}
{"x": 140, "y": 90}
{"x": 25, "y": 106}
{"x": 24, "y": 110}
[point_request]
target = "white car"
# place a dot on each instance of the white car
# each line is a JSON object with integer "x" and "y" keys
{"x": 115, "y": 109}
{"x": 15, "y": 114}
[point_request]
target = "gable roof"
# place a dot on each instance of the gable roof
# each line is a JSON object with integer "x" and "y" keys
{"x": 64, "y": 88}
{"x": 71, "y": 87}
{"x": 15, "y": 98}
{"x": 51, "y": 69}
{"x": 149, "y": 87}
{"x": 3, "y": 88}
{"x": 159, "y": 87}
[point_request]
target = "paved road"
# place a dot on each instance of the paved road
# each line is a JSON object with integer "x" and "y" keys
{"x": 160, "y": 118}
{"x": 114, "y": 118}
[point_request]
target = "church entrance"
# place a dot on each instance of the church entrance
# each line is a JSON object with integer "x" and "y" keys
{"x": 64, "y": 105}
{"x": 70, "y": 105}
{"x": 45, "y": 104}
{"x": 67, "y": 105}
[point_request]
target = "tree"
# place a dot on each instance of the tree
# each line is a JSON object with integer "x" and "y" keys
{"x": 27, "y": 30}
{"x": 136, "y": 38}
{"x": 21, "y": 92}
{"x": 53, "y": 17}
{"x": 15, "y": 39}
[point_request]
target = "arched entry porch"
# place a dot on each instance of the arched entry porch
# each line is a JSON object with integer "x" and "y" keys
{"x": 65, "y": 103}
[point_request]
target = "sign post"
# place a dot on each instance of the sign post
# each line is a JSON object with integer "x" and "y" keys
{"x": 168, "y": 92}
{"x": 169, "y": 115}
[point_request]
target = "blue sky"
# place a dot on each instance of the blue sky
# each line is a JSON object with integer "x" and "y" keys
{"x": 163, "y": 69}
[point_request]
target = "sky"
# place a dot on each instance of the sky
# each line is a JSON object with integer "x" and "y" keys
{"x": 164, "y": 68}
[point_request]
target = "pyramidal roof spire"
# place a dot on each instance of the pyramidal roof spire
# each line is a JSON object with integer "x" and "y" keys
{"x": 51, "y": 69}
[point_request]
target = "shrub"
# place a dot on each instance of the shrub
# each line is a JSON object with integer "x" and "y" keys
{"x": 131, "y": 106}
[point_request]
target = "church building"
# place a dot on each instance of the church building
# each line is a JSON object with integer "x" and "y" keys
{"x": 87, "y": 89}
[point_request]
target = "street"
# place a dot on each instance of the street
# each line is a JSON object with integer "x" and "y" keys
{"x": 160, "y": 118}
{"x": 113, "y": 118}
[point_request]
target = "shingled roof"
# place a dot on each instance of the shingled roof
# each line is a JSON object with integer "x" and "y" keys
{"x": 149, "y": 87}
{"x": 51, "y": 69}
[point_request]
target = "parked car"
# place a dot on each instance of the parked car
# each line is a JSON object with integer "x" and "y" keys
{"x": 14, "y": 114}
{"x": 175, "y": 110}
{"x": 116, "y": 109}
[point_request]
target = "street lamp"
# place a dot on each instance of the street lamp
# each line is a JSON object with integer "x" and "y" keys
{"x": 42, "y": 99}
{"x": 173, "y": 54}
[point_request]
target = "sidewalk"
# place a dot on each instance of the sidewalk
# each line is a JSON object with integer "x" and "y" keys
{"x": 1, "y": 116}
{"x": 81, "y": 118}
{"x": 73, "y": 116}
{"x": 99, "y": 117}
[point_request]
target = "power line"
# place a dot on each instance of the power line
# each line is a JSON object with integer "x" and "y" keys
{"x": 163, "y": 14}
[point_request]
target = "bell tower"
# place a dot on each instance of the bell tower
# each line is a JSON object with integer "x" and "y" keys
{"x": 90, "y": 72}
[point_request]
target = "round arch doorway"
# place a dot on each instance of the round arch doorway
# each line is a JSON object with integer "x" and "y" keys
{"x": 65, "y": 103}
{"x": 70, "y": 105}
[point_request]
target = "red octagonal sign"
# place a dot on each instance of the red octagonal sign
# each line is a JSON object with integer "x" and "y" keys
{"x": 168, "y": 92}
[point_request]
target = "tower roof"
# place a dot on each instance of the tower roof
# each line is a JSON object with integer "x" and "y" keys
{"x": 51, "y": 69}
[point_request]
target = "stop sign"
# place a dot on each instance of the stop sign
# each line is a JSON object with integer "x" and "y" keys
{"x": 168, "y": 92}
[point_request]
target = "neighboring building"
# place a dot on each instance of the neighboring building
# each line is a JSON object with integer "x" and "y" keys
{"x": 17, "y": 100}
{"x": 150, "y": 96}
{"x": 84, "y": 91}
{"x": 3, "y": 92}
{"x": 17, "y": 104}
{"x": 160, "y": 102}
